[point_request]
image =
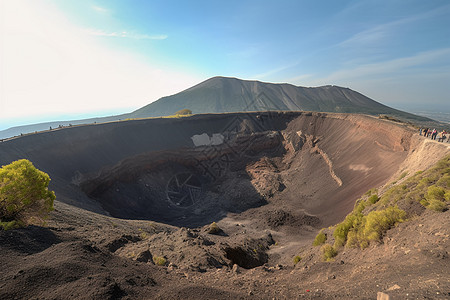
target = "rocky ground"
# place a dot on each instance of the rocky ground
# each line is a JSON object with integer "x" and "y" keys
{"x": 81, "y": 255}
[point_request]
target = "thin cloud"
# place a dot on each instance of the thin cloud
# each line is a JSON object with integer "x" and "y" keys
{"x": 299, "y": 79}
{"x": 275, "y": 71}
{"x": 127, "y": 34}
{"x": 379, "y": 32}
{"x": 100, "y": 9}
{"x": 386, "y": 67}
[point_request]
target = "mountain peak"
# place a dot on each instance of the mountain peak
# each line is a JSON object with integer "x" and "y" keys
{"x": 221, "y": 94}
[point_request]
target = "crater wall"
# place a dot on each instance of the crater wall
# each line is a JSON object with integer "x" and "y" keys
{"x": 191, "y": 171}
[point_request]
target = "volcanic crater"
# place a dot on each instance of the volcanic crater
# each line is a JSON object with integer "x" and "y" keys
{"x": 192, "y": 171}
{"x": 265, "y": 178}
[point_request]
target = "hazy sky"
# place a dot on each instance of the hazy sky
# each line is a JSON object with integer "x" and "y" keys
{"x": 67, "y": 59}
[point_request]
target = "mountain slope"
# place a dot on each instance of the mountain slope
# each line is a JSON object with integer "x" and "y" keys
{"x": 221, "y": 94}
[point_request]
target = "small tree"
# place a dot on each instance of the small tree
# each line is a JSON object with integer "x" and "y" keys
{"x": 184, "y": 112}
{"x": 24, "y": 194}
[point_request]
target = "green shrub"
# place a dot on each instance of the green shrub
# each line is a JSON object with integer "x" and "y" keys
{"x": 184, "y": 112}
{"x": 24, "y": 194}
{"x": 214, "y": 228}
{"x": 378, "y": 222}
{"x": 444, "y": 181}
{"x": 358, "y": 230}
{"x": 435, "y": 193}
{"x": 320, "y": 238}
{"x": 297, "y": 259}
{"x": 11, "y": 225}
{"x": 341, "y": 231}
{"x": 373, "y": 199}
{"x": 436, "y": 196}
{"x": 328, "y": 252}
{"x": 424, "y": 202}
{"x": 352, "y": 238}
{"x": 437, "y": 205}
{"x": 160, "y": 261}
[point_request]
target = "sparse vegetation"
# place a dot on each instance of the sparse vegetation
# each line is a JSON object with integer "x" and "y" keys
{"x": 371, "y": 191}
{"x": 144, "y": 235}
{"x": 403, "y": 175}
{"x": 320, "y": 239}
{"x": 432, "y": 185}
{"x": 430, "y": 188}
{"x": 297, "y": 259}
{"x": 390, "y": 118}
{"x": 159, "y": 260}
{"x": 131, "y": 254}
{"x": 181, "y": 113}
{"x": 328, "y": 252}
{"x": 24, "y": 195}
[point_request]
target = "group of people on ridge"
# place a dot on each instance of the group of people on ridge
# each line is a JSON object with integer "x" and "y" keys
{"x": 433, "y": 133}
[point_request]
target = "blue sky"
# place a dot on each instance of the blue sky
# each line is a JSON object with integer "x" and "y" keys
{"x": 74, "y": 59}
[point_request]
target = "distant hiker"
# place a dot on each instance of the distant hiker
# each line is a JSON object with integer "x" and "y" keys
{"x": 441, "y": 136}
{"x": 420, "y": 130}
{"x": 425, "y": 132}
{"x": 434, "y": 134}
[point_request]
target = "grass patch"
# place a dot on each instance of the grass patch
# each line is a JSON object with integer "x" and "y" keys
{"x": 297, "y": 259}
